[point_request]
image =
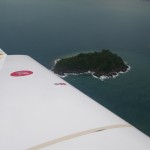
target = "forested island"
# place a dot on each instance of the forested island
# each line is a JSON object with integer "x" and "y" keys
{"x": 103, "y": 63}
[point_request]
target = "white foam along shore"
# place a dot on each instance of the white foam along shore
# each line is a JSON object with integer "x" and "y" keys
{"x": 102, "y": 78}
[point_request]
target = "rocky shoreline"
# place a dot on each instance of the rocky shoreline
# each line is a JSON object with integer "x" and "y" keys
{"x": 102, "y": 76}
{"x": 109, "y": 71}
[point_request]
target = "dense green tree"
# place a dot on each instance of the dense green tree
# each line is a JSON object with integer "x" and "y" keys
{"x": 102, "y": 63}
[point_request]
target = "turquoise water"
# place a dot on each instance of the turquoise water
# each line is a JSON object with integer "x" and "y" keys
{"x": 51, "y": 29}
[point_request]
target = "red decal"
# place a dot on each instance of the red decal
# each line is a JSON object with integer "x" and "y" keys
{"x": 21, "y": 73}
{"x": 60, "y": 83}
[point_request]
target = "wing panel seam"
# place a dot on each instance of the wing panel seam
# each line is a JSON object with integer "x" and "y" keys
{"x": 78, "y": 134}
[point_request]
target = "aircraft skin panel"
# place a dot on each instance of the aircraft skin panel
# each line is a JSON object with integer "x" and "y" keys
{"x": 37, "y": 108}
{"x": 116, "y": 139}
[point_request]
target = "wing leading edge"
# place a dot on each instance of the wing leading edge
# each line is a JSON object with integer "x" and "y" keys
{"x": 40, "y": 111}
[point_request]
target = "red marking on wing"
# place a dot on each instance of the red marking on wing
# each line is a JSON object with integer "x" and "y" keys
{"x": 21, "y": 73}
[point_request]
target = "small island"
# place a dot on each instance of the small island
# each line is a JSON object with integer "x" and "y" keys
{"x": 103, "y": 63}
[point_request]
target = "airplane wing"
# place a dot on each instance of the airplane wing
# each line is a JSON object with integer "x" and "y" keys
{"x": 40, "y": 111}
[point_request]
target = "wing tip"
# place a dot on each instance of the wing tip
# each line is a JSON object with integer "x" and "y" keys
{"x": 2, "y": 52}
{"x": 2, "y": 57}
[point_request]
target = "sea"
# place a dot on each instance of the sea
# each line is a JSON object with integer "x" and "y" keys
{"x": 52, "y": 29}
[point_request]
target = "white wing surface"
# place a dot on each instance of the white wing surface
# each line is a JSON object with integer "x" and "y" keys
{"x": 40, "y": 111}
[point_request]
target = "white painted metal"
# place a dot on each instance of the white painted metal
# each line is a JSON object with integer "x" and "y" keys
{"x": 2, "y": 57}
{"x": 41, "y": 108}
